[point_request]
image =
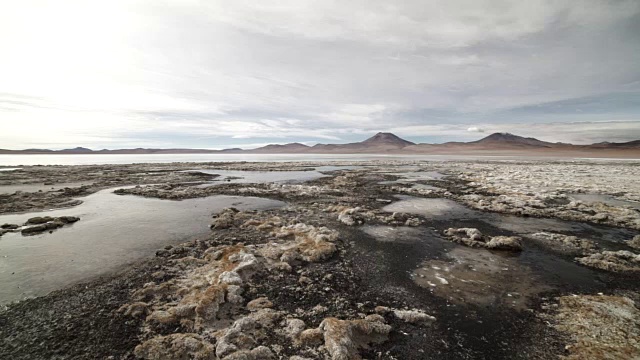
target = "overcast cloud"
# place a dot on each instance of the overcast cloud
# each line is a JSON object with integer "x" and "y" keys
{"x": 215, "y": 74}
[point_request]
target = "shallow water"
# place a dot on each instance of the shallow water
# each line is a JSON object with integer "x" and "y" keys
{"x": 9, "y": 189}
{"x": 114, "y": 230}
{"x": 439, "y": 209}
{"x": 413, "y": 176}
{"x": 254, "y": 177}
{"x": 605, "y": 199}
{"x": 470, "y": 276}
{"x": 97, "y": 159}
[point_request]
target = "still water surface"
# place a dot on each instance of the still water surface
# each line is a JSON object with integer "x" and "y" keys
{"x": 113, "y": 231}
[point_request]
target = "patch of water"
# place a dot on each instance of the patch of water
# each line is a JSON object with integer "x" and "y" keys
{"x": 10, "y": 189}
{"x": 420, "y": 175}
{"x": 10, "y": 169}
{"x": 253, "y": 177}
{"x": 113, "y": 231}
{"x": 393, "y": 234}
{"x": 605, "y": 199}
{"x": 420, "y": 257}
{"x": 327, "y": 168}
{"x": 480, "y": 277}
{"x": 430, "y": 207}
{"x": 439, "y": 209}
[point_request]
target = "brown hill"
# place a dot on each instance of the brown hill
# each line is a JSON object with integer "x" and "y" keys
{"x": 388, "y": 143}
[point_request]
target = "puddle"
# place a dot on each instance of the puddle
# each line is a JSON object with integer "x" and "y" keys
{"x": 605, "y": 199}
{"x": 10, "y": 189}
{"x": 480, "y": 277}
{"x": 10, "y": 169}
{"x": 113, "y": 231}
{"x": 420, "y": 175}
{"x": 393, "y": 234}
{"x": 429, "y": 207}
{"x": 253, "y": 177}
{"x": 420, "y": 261}
{"x": 327, "y": 168}
{"x": 425, "y": 187}
{"x": 438, "y": 209}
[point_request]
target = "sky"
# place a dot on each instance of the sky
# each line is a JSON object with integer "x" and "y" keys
{"x": 218, "y": 74}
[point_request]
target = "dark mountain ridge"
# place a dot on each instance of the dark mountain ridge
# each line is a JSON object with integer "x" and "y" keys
{"x": 380, "y": 143}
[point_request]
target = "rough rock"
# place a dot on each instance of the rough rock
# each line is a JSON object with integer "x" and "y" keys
{"x": 310, "y": 244}
{"x": 176, "y": 346}
{"x": 414, "y": 316}
{"x": 259, "y": 303}
{"x": 565, "y": 243}
{"x": 472, "y": 237}
{"x": 635, "y": 242}
{"x": 616, "y": 261}
{"x": 413, "y": 222}
{"x": 512, "y": 243}
{"x": 42, "y": 227}
{"x": 601, "y": 327}
{"x": 41, "y": 224}
{"x": 225, "y": 219}
{"x": 343, "y": 338}
{"x": 39, "y": 220}
{"x": 246, "y": 333}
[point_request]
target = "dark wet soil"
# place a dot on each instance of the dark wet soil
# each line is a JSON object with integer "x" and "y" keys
{"x": 79, "y": 322}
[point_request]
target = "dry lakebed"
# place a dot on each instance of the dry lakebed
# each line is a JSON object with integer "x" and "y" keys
{"x": 384, "y": 259}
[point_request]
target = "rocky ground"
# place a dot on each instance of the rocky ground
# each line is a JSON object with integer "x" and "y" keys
{"x": 335, "y": 276}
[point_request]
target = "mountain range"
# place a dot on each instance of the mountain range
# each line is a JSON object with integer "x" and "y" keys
{"x": 388, "y": 143}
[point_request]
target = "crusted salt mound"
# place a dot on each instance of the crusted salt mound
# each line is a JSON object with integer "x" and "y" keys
{"x": 38, "y": 224}
{"x": 209, "y": 288}
{"x": 472, "y": 237}
{"x": 343, "y": 338}
{"x": 351, "y": 216}
{"x": 176, "y": 346}
{"x": 543, "y": 190}
{"x": 616, "y": 261}
{"x": 244, "y": 336}
{"x": 306, "y": 243}
{"x": 512, "y": 243}
{"x": 225, "y": 219}
{"x": 635, "y": 242}
{"x": 601, "y": 327}
{"x": 414, "y": 316}
{"x": 564, "y": 243}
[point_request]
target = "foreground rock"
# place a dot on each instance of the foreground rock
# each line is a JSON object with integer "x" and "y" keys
{"x": 565, "y": 244}
{"x": 209, "y": 299}
{"x": 635, "y": 242}
{"x": 38, "y": 225}
{"x": 616, "y": 261}
{"x": 601, "y": 327}
{"x": 474, "y": 238}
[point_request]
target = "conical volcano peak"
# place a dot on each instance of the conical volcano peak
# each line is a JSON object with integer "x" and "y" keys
{"x": 387, "y": 139}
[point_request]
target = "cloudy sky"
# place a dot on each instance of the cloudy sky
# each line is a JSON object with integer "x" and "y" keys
{"x": 215, "y": 74}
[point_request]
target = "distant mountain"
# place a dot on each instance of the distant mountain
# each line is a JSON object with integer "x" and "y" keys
{"x": 77, "y": 150}
{"x": 388, "y": 143}
{"x": 502, "y": 139}
{"x": 611, "y": 145}
{"x": 381, "y": 142}
{"x": 386, "y": 139}
{"x": 286, "y": 148}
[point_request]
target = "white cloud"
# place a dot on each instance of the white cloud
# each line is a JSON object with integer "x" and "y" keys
{"x": 475, "y": 129}
{"x": 135, "y": 72}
